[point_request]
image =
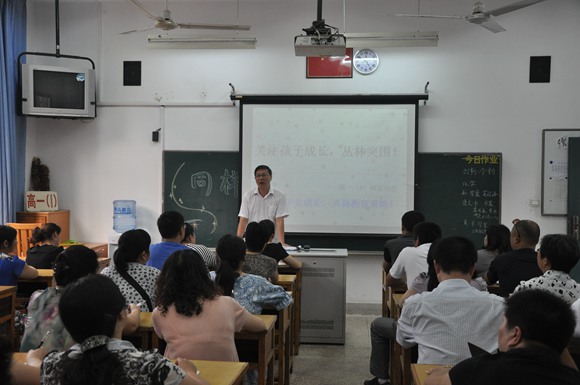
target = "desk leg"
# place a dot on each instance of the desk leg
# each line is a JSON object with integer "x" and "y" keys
{"x": 296, "y": 314}
{"x": 288, "y": 355}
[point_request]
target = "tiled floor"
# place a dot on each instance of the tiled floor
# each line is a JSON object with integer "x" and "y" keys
{"x": 346, "y": 364}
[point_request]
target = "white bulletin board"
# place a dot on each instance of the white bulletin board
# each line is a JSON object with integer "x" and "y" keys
{"x": 555, "y": 170}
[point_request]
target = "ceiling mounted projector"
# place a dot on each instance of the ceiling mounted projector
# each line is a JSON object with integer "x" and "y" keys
{"x": 320, "y": 45}
{"x": 320, "y": 39}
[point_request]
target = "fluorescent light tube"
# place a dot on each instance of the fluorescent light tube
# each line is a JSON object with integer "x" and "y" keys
{"x": 397, "y": 39}
{"x": 201, "y": 42}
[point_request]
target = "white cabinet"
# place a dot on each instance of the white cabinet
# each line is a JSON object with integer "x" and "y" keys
{"x": 323, "y": 312}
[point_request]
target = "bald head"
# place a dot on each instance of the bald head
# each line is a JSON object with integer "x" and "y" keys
{"x": 525, "y": 234}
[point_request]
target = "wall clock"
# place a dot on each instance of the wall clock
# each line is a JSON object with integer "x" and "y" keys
{"x": 366, "y": 61}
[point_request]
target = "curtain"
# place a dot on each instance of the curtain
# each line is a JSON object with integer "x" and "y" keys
{"x": 12, "y": 127}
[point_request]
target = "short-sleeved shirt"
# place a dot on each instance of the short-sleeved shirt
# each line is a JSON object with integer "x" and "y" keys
{"x": 208, "y": 335}
{"x": 159, "y": 252}
{"x": 276, "y": 251}
{"x": 139, "y": 367}
{"x": 145, "y": 276}
{"x": 393, "y": 247}
{"x": 443, "y": 321}
{"x": 411, "y": 262}
{"x": 512, "y": 267}
{"x": 209, "y": 257}
{"x": 533, "y": 365}
{"x": 555, "y": 282}
{"x": 259, "y": 264}
{"x": 254, "y": 292}
{"x": 256, "y": 208}
{"x": 10, "y": 269}
{"x": 42, "y": 320}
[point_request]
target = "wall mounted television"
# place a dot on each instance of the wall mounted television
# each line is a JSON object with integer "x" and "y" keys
{"x": 58, "y": 92}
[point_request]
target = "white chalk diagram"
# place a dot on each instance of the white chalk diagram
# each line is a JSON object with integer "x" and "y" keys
{"x": 200, "y": 179}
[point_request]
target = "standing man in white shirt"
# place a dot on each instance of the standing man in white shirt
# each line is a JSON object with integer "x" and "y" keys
{"x": 263, "y": 202}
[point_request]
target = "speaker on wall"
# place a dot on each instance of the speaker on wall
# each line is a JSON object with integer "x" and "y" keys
{"x": 540, "y": 69}
{"x": 131, "y": 73}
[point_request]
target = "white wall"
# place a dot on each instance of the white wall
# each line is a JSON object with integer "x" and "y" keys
{"x": 480, "y": 98}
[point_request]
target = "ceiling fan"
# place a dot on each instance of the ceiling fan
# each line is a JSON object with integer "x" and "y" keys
{"x": 482, "y": 17}
{"x": 166, "y": 23}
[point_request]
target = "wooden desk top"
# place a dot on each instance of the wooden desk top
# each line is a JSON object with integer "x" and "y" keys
{"x": 7, "y": 289}
{"x": 419, "y": 372}
{"x": 44, "y": 275}
{"x": 221, "y": 373}
{"x": 287, "y": 278}
{"x": 397, "y": 297}
{"x": 146, "y": 321}
{"x": 283, "y": 266}
{"x": 215, "y": 372}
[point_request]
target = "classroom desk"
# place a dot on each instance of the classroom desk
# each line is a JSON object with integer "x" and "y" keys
{"x": 493, "y": 289}
{"x": 283, "y": 341}
{"x": 419, "y": 372}
{"x": 400, "y": 358}
{"x": 284, "y": 269}
{"x": 288, "y": 282}
{"x": 44, "y": 276}
{"x": 215, "y": 372}
{"x": 7, "y": 306}
{"x": 149, "y": 340}
{"x": 259, "y": 348}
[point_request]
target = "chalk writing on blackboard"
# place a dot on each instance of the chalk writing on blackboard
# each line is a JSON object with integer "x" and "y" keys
{"x": 202, "y": 181}
{"x": 460, "y": 191}
{"x": 482, "y": 201}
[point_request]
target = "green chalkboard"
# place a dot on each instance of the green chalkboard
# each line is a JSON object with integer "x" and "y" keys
{"x": 205, "y": 188}
{"x": 460, "y": 191}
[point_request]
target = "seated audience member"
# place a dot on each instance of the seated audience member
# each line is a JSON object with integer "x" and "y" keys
{"x": 135, "y": 280}
{"x": 383, "y": 328}
{"x": 393, "y": 247}
{"x": 46, "y": 241}
{"x": 100, "y": 356}
{"x": 558, "y": 254}
{"x": 257, "y": 236}
{"x": 251, "y": 291}
{"x": 43, "y": 323}
{"x": 520, "y": 264}
{"x": 12, "y": 267}
{"x": 427, "y": 281}
{"x": 208, "y": 256}
{"x": 495, "y": 242}
{"x": 412, "y": 261}
{"x": 195, "y": 321}
{"x": 171, "y": 227}
{"x": 533, "y": 336}
{"x": 277, "y": 250}
{"x": 443, "y": 321}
